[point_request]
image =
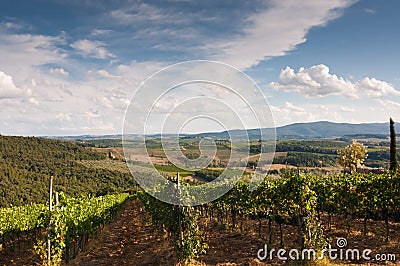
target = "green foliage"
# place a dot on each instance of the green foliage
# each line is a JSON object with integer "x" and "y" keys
{"x": 299, "y": 199}
{"x": 295, "y": 199}
{"x": 26, "y": 164}
{"x": 323, "y": 147}
{"x": 170, "y": 168}
{"x": 73, "y": 218}
{"x": 208, "y": 174}
{"x": 284, "y": 200}
{"x": 394, "y": 164}
{"x": 307, "y": 159}
{"x": 180, "y": 223}
{"x": 18, "y": 219}
{"x": 102, "y": 143}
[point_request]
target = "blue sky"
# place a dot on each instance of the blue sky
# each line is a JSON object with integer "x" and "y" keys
{"x": 70, "y": 67}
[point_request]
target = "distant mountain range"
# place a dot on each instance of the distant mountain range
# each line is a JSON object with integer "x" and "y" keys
{"x": 321, "y": 129}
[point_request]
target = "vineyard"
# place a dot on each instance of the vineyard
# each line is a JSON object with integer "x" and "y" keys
{"x": 296, "y": 211}
{"x": 298, "y": 201}
{"x": 67, "y": 227}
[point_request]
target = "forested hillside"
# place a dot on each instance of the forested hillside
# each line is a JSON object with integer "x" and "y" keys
{"x": 26, "y": 164}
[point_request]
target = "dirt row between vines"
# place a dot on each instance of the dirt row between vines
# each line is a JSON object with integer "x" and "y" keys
{"x": 128, "y": 240}
{"x": 131, "y": 240}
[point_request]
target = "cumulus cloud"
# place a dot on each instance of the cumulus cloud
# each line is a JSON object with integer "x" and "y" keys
{"x": 375, "y": 88}
{"x": 8, "y": 88}
{"x": 317, "y": 81}
{"x": 95, "y": 49}
{"x": 59, "y": 71}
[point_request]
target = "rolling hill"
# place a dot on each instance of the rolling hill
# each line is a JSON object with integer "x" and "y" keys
{"x": 321, "y": 129}
{"x": 310, "y": 130}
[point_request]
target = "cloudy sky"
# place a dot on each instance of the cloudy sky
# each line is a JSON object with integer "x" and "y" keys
{"x": 71, "y": 67}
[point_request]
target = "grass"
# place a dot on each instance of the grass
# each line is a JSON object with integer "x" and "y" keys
{"x": 173, "y": 169}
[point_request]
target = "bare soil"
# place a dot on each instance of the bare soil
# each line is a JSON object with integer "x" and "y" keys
{"x": 131, "y": 240}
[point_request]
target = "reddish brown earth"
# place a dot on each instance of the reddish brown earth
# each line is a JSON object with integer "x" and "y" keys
{"x": 130, "y": 240}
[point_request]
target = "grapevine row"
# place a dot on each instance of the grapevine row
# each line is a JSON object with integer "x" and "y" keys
{"x": 295, "y": 199}
{"x": 71, "y": 220}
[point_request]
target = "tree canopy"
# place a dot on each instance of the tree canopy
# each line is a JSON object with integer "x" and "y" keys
{"x": 352, "y": 156}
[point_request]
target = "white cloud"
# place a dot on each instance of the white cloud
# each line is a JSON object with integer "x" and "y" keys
{"x": 95, "y": 103}
{"x": 92, "y": 113}
{"x": 64, "y": 117}
{"x": 8, "y": 88}
{"x": 390, "y": 105}
{"x": 139, "y": 13}
{"x": 24, "y": 52}
{"x": 102, "y": 73}
{"x": 291, "y": 108}
{"x": 59, "y": 71}
{"x": 7, "y": 25}
{"x": 98, "y": 32}
{"x": 277, "y": 30}
{"x": 317, "y": 81}
{"x": 288, "y": 113}
{"x": 95, "y": 49}
{"x": 347, "y": 109}
{"x": 369, "y": 11}
{"x": 375, "y": 88}
{"x": 111, "y": 102}
{"x": 33, "y": 101}
{"x": 148, "y": 13}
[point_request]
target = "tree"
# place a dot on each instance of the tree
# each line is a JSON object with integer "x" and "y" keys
{"x": 394, "y": 164}
{"x": 352, "y": 156}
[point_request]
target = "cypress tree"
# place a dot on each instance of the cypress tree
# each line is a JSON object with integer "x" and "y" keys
{"x": 393, "y": 151}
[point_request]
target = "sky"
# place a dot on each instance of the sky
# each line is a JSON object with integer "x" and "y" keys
{"x": 72, "y": 67}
